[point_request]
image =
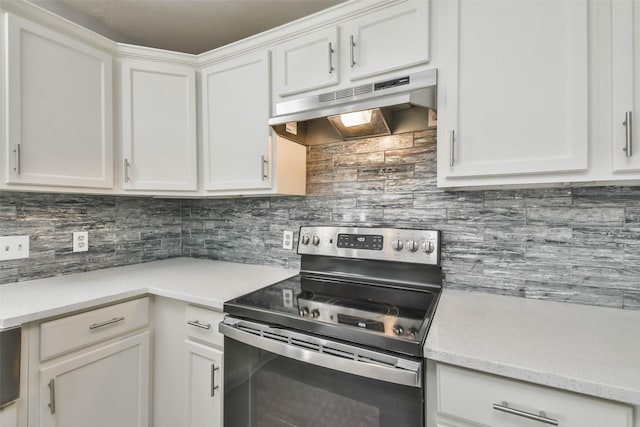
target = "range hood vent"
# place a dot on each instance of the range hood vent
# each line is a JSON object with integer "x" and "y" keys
{"x": 390, "y": 106}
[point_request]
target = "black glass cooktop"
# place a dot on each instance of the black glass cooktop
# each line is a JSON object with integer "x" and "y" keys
{"x": 386, "y": 317}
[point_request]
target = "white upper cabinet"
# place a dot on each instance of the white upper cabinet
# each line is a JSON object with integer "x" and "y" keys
{"x": 58, "y": 109}
{"x": 514, "y": 100}
{"x": 235, "y": 113}
{"x": 159, "y": 142}
{"x": 307, "y": 62}
{"x": 391, "y": 39}
{"x": 378, "y": 41}
{"x": 625, "y": 34}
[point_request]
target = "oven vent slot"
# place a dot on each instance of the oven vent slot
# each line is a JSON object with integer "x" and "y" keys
{"x": 249, "y": 330}
{"x": 340, "y": 353}
{"x": 275, "y": 337}
{"x": 377, "y": 361}
{"x": 305, "y": 344}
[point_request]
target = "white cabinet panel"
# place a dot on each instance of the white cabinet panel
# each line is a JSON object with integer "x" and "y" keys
{"x": 307, "y": 62}
{"x": 477, "y": 398}
{"x": 105, "y": 387}
{"x": 235, "y": 112}
{"x": 516, "y": 94}
{"x": 158, "y": 126}
{"x": 626, "y": 84}
{"x": 394, "y": 38}
{"x": 59, "y": 109}
{"x": 204, "y": 393}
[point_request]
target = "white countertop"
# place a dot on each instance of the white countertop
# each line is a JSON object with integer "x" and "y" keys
{"x": 197, "y": 281}
{"x": 590, "y": 350}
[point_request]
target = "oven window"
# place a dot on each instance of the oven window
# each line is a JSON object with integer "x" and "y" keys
{"x": 263, "y": 389}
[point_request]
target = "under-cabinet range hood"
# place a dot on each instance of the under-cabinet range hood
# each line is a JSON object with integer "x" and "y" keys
{"x": 396, "y": 105}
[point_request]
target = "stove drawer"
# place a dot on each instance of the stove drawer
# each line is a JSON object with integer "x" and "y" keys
{"x": 489, "y": 400}
{"x": 202, "y": 324}
{"x": 80, "y": 330}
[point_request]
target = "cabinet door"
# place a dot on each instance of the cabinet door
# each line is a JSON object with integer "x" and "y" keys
{"x": 59, "y": 114}
{"x": 515, "y": 91}
{"x": 105, "y": 387}
{"x": 626, "y": 85}
{"x": 204, "y": 392}
{"x": 158, "y": 126}
{"x": 391, "y": 39}
{"x": 307, "y": 62}
{"x": 235, "y": 110}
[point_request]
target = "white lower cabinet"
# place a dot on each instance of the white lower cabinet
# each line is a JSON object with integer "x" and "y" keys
{"x": 467, "y": 398}
{"x": 204, "y": 385}
{"x": 91, "y": 369}
{"x": 103, "y": 387}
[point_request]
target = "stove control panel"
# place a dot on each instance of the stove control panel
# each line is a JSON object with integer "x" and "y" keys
{"x": 386, "y": 244}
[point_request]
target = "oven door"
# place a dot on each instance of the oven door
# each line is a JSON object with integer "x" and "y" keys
{"x": 278, "y": 377}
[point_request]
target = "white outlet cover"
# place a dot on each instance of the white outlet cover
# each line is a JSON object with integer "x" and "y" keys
{"x": 80, "y": 241}
{"x": 14, "y": 247}
{"x": 287, "y": 240}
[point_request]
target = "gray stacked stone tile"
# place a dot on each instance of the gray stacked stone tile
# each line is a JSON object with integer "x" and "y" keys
{"x": 579, "y": 245}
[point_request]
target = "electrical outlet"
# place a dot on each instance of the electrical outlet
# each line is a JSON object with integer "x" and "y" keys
{"x": 287, "y": 240}
{"x": 287, "y": 298}
{"x": 14, "y": 247}
{"x": 80, "y": 241}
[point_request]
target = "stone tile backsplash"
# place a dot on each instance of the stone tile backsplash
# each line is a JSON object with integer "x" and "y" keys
{"x": 122, "y": 230}
{"x": 578, "y": 245}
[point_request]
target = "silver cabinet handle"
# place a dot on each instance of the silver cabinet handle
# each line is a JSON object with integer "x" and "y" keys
{"x": 52, "y": 396}
{"x": 330, "y": 58}
{"x": 214, "y": 387}
{"x": 108, "y": 322}
{"x": 628, "y": 148}
{"x": 264, "y": 162}
{"x": 197, "y": 324}
{"x": 126, "y": 170}
{"x": 452, "y": 141}
{"x": 504, "y": 407}
{"x": 352, "y": 48}
{"x": 17, "y": 167}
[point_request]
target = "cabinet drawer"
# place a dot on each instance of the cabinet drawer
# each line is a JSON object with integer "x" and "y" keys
{"x": 202, "y": 324}
{"x": 489, "y": 400}
{"x": 72, "y": 332}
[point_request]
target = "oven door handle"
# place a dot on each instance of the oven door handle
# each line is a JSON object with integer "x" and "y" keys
{"x": 325, "y": 353}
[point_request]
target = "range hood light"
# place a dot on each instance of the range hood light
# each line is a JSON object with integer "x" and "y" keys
{"x": 356, "y": 118}
{"x": 361, "y": 124}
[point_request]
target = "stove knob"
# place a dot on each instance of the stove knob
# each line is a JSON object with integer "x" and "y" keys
{"x": 315, "y": 313}
{"x": 412, "y": 245}
{"x": 413, "y": 332}
{"x": 304, "y": 311}
{"x": 305, "y": 239}
{"x": 397, "y": 245}
{"x": 428, "y": 247}
{"x": 398, "y": 330}
{"x": 316, "y": 240}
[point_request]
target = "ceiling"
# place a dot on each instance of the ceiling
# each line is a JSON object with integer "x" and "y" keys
{"x": 191, "y": 26}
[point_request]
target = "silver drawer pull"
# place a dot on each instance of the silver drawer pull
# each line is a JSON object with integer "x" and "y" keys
{"x": 197, "y": 324}
{"x": 504, "y": 407}
{"x": 108, "y": 322}
{"x": 52, "y": 396}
